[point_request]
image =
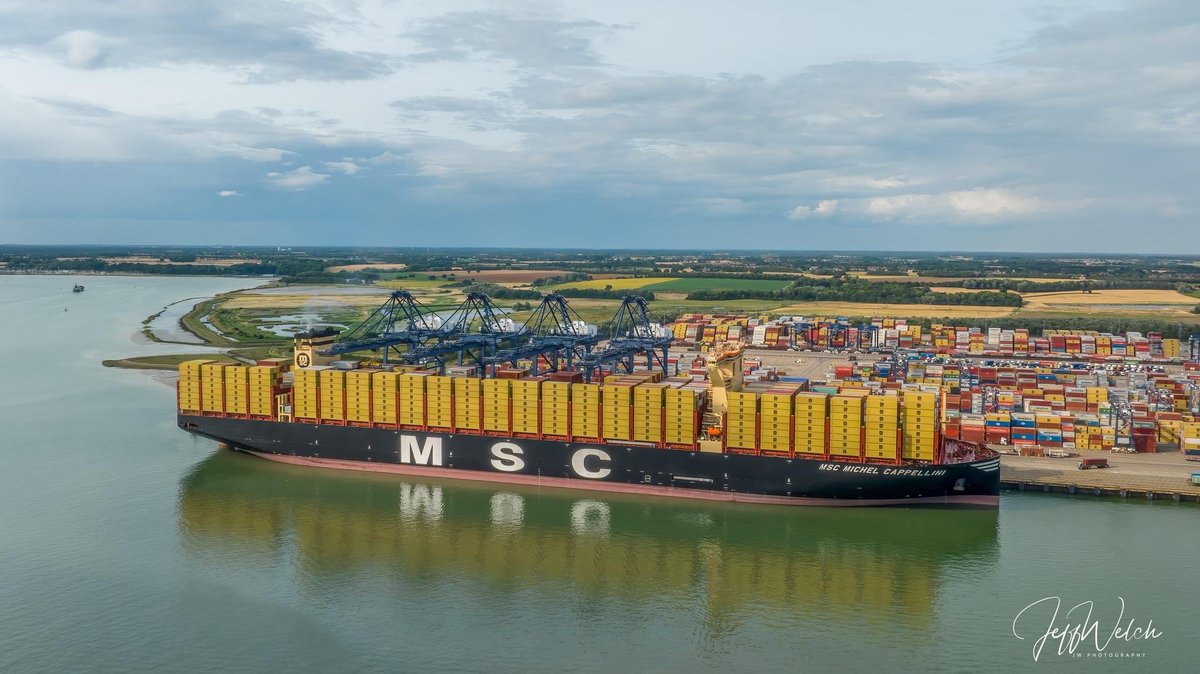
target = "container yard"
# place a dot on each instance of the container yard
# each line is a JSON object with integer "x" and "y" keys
{"x": 890, "y": 334}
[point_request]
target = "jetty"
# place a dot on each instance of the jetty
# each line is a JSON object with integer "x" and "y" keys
{"x": 1162, "y": 476}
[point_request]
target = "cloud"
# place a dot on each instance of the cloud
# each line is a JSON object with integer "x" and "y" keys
{"x": 1087, "y": 126}
{"x": 266, "y": 41}
{"x": 823, "y": 209}
{"x": 530, "y": 40}
{"x": 229, "y": 193}
{"x": 83, "y": 49}
{"x": 344, "y": 167}
{"x": 298, "y": 179}
{"x": 976, "y": 203}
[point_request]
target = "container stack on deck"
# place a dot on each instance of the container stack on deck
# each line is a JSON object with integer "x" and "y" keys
{"x": 853, "y": 423}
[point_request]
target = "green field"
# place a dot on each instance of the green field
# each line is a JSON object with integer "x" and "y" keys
{"x": 687, "y": 285}
{"x": 403, "y": 281}
{"x": 677, "y": 285}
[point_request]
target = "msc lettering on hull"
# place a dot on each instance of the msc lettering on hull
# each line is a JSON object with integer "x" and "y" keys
{"x": 595, "y": 470}
{"x": 428, "y": 453}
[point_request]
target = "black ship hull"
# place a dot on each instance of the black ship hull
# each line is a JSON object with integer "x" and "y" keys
{"x": 610, "y": 467}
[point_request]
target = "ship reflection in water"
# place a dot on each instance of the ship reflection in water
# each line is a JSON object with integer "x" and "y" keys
{"x": 819, "y": 561}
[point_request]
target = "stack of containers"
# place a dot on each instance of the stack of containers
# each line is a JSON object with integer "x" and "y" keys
{"x": 556, "y": 408}
{"x": 265, "y": 383}
{"x": 497, "y": 399}
{"x": 845, "y": 424}
{"x": 358, "y": 395}
{"x": 585, "y": 411}
{"x": 1024, "y": 429}
{"x": 998, "y": 427}
{"x": 526, "y": 399}
{"x": 385, "y": 407}
{"x": 237, "y": 390}
{"x": 972, "y": 427}
{"x": 439, "y": 402}
{"x": 333, "y": 394}
{"x": 306, "y": 395}
{"x": 741, "y": 422}
{"x": 775, "y": 419}
{"x": 648, "y": 400}
{"x": 1049, "y": 430}
{"x": 1087, "y": 432}
{"x": 683, "y": 406}
{"x": 882, "y": 420}
{"x": 190, "y": 386}
{"x": 1189, "y": 442}
{"x": 212, "y": 387}
{"x": 618, "y": 409}
{"x": 467, "y": 408}
{"x": 411, "y": 398}
{"x": 918, "y": 415}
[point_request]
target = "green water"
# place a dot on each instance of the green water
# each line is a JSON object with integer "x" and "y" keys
{"x": 129, "y": 546}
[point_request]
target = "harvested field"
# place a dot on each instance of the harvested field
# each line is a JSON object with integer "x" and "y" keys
{"x": 1133, "y": 297}
{"x": 893, "y": 310}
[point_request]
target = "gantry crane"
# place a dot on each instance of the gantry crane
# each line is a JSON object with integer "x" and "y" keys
{"x": 552, "y": 332}
{"x": 472, "y": 331}
{"x": 400, "y": 321}
{"x": 631, "y": 334}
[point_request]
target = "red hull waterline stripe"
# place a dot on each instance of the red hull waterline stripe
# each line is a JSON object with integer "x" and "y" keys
{"x": 570, "y": 483}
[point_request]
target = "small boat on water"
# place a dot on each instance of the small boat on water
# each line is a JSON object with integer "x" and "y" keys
{"x": 77, "y": 289}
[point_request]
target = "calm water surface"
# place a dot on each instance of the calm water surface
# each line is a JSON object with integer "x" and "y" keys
{"x": 129, "y": 546}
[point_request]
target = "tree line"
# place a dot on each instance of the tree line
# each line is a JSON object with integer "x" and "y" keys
{"x": 852, "y": 289}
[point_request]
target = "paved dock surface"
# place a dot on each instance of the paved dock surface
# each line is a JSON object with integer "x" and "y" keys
{"x": 1164, "y": 476}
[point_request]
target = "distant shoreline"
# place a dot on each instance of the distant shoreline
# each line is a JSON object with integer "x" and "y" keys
{"x": 21, "y": 272}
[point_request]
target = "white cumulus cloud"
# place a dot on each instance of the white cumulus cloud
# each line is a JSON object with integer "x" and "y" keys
{"x": 229, "y": 193}
{"x": 346, "y": 167}
{"x": 823, "y": 209}
{"x": 83, "y": 49}
{"x": 975, "y": 203}
{"x": 299, "y": 179}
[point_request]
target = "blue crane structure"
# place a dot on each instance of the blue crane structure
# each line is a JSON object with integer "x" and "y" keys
{"x": 409, "y": 332}
{"x": 551, "y": 333}
{"x": 1194, "y": 348}
{"x": 631, "y": 334}
{"x": 400, "y": 321}
{"x": 472, "y": 331}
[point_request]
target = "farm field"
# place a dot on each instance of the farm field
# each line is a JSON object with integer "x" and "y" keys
{"x": 678, "y": 285}
{"x": 1133, "y": 297}
{"x": 686, "y": 285}
{"x": 894, "y": 310}
{"x": 616, "y": 283}
{"x": 419, "y": 282}
{"x": 497, "y": 275}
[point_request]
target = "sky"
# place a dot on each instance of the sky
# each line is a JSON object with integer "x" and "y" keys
{"x": 1007, "y": 125}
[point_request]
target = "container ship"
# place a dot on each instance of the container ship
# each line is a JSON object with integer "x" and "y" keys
{"x": 712, "y": 436}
